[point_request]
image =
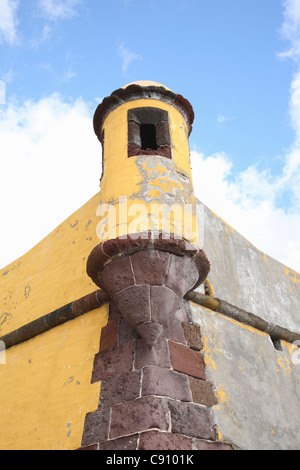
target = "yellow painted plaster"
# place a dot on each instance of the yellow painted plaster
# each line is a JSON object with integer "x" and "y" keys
{"x": 115, "y": 141}
{"x": 294, "y": 276}
{"x": 140, "y": 184}
{"x": 51, "y": 274}
{"x": 45, "y": 389}
{"x": 284, "y": 366}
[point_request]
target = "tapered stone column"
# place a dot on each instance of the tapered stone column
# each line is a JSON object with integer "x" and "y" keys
{"x": 154, "y": 392}
{"x": 147, "y": 278}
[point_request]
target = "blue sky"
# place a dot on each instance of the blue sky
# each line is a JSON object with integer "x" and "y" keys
{"x": 237, "y": 61}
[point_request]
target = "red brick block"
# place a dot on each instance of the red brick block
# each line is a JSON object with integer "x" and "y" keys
{"x": 173, "y": 330}
{"x": 125, "y": 332}
{"x": 124, "y": 387}
{"x": 158, "y": 355}
{"x": 204, "y": 445}
{"x": 150, "y": 267}
{"x": 165, "y": 382}
{"x": 164, "y": 303}
{"x": 109, "y": 335}
{"x": 193, "y": 336}
{"x": 113, "y": 362}
{"x": 202, "y": 392}
{"x": 156, "y": 440}
{"x": 114, "y": 313}
{"x": 191, "y": 420}
{"x": 92, "y": 447}
{"x": 96, "y": 427}
{"x": 123, "y": 443}
{"x": 187, "y": 360}
{"x": 182, "y": 275}
{"x": 116, "y": 276}
{"x": 134, "y": 304}
{"x": 138, "y": 415}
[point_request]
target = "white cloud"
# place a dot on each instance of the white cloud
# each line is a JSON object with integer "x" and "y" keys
{"x": 127, "y": 56}
{"x": 8, "y": 21}
{"x": 252, "y": 202}
{"x": 59, "y": 9}
{"x": 44, "y": 36}
{"x": 8, "y": 77}
{"x": 221, "y": 118}
{"x": 249, "y": 204}
{"x": 68, "y": 75}
{"x": 48, "y": 151}
{"x": 290, "y": 29}
{"x": 50, "y": 156}
{"x": 49, "y": 159}
{"x": 2, "y": 92}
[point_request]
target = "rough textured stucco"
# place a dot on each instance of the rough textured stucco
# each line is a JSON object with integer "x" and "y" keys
{"x": 45, "y": 386}
{"x": 56, "y": 265}
{"x": 135, "y": 191}
{"x": 258, "y": 387}
{"x": 45, "y": 389}
{"x": 227, "y": 374}
{"x": 246, "y": 277}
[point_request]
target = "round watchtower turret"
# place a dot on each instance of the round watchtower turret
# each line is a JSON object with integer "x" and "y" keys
{"x": 148, "y": 257}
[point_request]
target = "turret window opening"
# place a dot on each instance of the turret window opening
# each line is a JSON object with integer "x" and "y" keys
{"x": 148, "y": 136}
{"x": 148, "y": 132}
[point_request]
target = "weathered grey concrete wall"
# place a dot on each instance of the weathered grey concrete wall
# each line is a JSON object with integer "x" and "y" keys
{"x": 246, "y": 277}
{"x": 258, "y": 386}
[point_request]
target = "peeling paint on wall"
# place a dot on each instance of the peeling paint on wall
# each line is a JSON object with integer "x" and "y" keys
{"x": 258, "y": 387}
{"x": 171, "y": 184}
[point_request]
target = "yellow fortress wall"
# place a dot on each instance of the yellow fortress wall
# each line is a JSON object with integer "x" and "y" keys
{"x": 53, "y": 370}
{"x": 45, "y": 389}
{"x": 137, "y": 191}
{"x": 50, "y": 384}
